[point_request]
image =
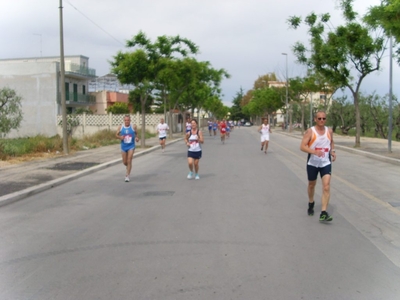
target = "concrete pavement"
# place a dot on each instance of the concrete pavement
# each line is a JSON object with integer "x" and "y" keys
{"x": 22, "y": 180}
{"x": 18, "y": 181}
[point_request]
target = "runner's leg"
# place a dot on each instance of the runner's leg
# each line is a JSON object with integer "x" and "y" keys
{"x": 129, "y": 157}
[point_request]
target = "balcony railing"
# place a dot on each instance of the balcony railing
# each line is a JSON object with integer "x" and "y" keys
{"x": 77, "y": 99}
{"x": 80, "y": 70}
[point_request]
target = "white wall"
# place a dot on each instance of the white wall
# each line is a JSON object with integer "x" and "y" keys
{"x": 36, "y": 83}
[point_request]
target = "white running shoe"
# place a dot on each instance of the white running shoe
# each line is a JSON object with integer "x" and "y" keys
{"x": 127, "y": 179}
{"x": 190, "y": 175}
{"x": 197, "y": 176}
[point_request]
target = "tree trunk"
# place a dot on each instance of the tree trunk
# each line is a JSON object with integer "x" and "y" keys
{"x": 358, "y": 120}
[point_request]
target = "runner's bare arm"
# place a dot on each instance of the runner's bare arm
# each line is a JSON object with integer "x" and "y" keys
{"x": 304, "y": 142}
{"x": 333, "y": 151}
{"x": 201, "y": 139}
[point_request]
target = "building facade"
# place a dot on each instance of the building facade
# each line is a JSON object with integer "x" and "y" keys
{"x": 37, "y": 81}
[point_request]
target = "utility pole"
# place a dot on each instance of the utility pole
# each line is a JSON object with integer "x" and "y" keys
{"x": 390, "y": 95}
{"x": 287, "y": 91}
{"x": 62, "y": 82}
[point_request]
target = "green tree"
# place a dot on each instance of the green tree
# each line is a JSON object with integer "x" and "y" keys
{"x": 300, "y": 90}
{"x": 386, "y": 16}
{"x": 134, "y": 99}
{"x": 118, "y": 108}
{"x": 335, "y": 54}
{"x": 267, "y": 100}
{"x": 142, "y": 67}
{"x": 10, "y": 110}
{"x": 236, "y": 109}
{"x": 341, "y": 114}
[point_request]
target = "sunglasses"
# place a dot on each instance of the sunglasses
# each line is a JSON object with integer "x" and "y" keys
{"x": 321, "y": 119}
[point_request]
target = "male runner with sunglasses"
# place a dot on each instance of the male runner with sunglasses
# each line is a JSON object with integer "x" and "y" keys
{"x": 318, "y": 143}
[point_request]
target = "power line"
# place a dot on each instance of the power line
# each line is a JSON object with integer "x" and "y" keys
{"x": 95, "y": 24}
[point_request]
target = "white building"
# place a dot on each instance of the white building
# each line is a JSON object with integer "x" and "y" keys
{"x": 37, "y": 81}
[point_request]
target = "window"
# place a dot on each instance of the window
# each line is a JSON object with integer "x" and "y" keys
{"x": 67, "y": 91}
{"x": 75, "y": 92}
{"x": 84, "y": 89}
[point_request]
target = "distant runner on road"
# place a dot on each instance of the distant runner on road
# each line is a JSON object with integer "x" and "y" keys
{"x": 127, "y": 134}
{"x": 210, "y": 126}
{"x": 318, "y": 143}
{"x": 162, "y": 129}
{"x": 265, "y": 130}
{"x": 188, "y": 125}
{"x": 193, "y": 140}
{"x": 222, "y": 130}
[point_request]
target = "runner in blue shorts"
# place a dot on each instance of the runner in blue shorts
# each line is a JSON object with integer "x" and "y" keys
{"x": 318, "y": 143}
{"x": 127, "y": 134}
{"x": 215, "y": 127}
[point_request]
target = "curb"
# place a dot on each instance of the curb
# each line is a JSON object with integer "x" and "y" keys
{"x": 358, "y": 152}
{"x": 16, "y": 196}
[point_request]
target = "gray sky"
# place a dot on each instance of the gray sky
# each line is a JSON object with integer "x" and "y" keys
{"x": 245, "y": 37}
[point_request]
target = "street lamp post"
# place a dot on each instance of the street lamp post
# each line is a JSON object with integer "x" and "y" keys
{"x": 287, "y": 91}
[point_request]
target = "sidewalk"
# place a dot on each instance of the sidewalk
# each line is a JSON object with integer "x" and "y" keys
{"x": 21, "y": 180}
{"x": 18, "y": 181}
{"x": 370, "y": 147}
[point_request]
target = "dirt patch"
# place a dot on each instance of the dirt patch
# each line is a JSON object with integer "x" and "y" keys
{"x": 29, "y": 157}
{"x": 74, "y": 166}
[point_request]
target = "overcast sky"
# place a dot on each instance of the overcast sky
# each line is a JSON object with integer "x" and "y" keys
{"x": 245, "y": 37}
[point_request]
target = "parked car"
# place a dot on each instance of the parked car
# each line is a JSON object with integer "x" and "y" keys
{"x": 247, "y": 123}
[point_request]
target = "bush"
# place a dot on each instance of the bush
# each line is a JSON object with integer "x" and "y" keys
{"x": 118, "y": 108}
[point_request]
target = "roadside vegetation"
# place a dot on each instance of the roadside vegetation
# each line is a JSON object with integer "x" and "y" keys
{"x": 42, "y": 146}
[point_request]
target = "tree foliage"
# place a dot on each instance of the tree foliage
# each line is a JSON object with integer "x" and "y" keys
{"x": 10, "y": 110}
{"x": 345, "y": 54}
{"x": 118, "y": 108}
{"x": 143, "y": 66}
{"x": 236, "y": 109}
{"x": 386, "y": 16}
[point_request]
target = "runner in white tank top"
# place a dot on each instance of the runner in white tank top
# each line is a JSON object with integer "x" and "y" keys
{"x": 193, "y": 139}
{"x": 318, "y": 143}
{"x": 265, "y": 130}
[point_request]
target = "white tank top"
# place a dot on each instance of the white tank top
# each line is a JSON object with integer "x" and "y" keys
{"x": 323, "y": 143}
{"x": 194, "y": 142}
{"x": 265, "y": 129}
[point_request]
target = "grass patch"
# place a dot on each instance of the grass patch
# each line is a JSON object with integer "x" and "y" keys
{"x": 32, "y": 146}
{"x": 368, "y": 134}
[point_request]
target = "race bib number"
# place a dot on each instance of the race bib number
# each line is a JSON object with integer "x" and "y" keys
{"x": 193, "y": 145}
{"x": 127, "y": 139}
{"x": 325, "y": 150}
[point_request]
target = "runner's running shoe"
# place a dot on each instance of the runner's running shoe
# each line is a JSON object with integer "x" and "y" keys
{"x": 310, "y": 210}
{"x": 325, "y": 217}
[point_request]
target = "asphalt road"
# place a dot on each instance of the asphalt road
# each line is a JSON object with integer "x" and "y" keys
{"x": 240, "y": 232}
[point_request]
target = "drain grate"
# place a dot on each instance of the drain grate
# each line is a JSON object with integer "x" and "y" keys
{"x": 158, "y": 193}
{"x": 72, "y": 166}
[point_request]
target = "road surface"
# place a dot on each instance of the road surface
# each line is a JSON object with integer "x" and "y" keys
{"x": 240, "y": 232}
